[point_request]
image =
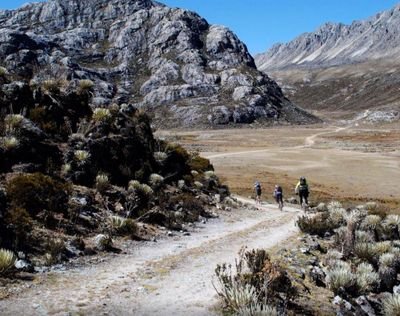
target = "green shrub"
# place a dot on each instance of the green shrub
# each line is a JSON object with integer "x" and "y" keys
{"x": 21, "y": 223}
{"x": 391, "y": 305}
{"x": 155, "y": 180}
{"x": 366, "y": 278}
{"x": 365, "y": 251}
{"x": 13, "y": 121}
{"x": 339, "y": 277}
{"x": 123, "y": 226}
{"x": 9, "y": 143}
{"x": 140, "y": 188}
{"x": 200, "y": 164}
{"x": 36, "y": 192}
{"x": 3, "y": 71}
{"x": 55, "y": 249}
{"x": 318, "y": 224}
{"x": 81, "y": 156}
{"x": 371, "y": 222}
{"x": 85, "y": 85}
{"x": 102, "y": 182}
{"x": 101, "y": 115}
{"x": 7, "y": 260}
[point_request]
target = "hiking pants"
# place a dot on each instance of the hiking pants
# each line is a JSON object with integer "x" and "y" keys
{"x": 303, "y": 196}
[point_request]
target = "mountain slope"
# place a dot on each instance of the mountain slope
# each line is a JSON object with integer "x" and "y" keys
{"x": 168, "y": 61}
{"x": 336, "y": 44}
{"x": 342, "y": 70}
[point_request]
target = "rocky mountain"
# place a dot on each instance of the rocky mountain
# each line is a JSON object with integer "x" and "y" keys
{"x": 170, "y": 62}
{"x": 337, "y": 44}
{"x": 340, "y": 71}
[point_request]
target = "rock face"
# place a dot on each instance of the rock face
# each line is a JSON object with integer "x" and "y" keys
{"x": 336, "y": 44}
{"x": 170, "y": 62}
{"x": 342, "y": 71}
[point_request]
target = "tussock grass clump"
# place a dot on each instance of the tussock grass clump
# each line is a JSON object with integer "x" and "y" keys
{"x": 371, "y": 222}
{"x": 334, "y": 205}
{"x": 366, "y": 278}
{"x": 391, "y": 305}
{"x": 160, "y": 157}
{"x": 102, "y": 182}
{"x": 9, "y": 143}
{"x": 198, "y": 185}
{"x": 365, "y": 251}
{"x": 85, "y": 85}
{"x": 156, "y": 180}
{"x": 210, "y": 175}
{"x": 123, "y": 226}
{"x": 7, "y": 260}
{"x": 141, "y": 188}
{"x": 13, "y": 121}
{"x": 257, "y": 309}
{"x": 382, "y": 247}
{"x": 101, "y": 115}
{"x": 52, "y": 86}
{"x": 316, "y": 225}
{"x": 364, "y": 237}
{"x": 337, "y": 216}
{"x": 388, "y": 260}
{"x": 81, "y": 156}
{"x": 371, "y": 206}
{"x": 331, "y": 257}
{"x": 3, "y": 71}
{"x": 340, "y": 276}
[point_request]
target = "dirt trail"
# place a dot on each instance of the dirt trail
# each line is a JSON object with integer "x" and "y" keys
{"x": 163, "y": 278}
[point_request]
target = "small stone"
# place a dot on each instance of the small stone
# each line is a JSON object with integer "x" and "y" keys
{"x": 35, "y": 306}
{"x": 186, "y": 234}
{"x": 170, "y": 234}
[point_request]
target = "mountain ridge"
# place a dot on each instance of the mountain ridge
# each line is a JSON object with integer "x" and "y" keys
{"x": 170, "y": 62}
{"x": 333, "y": 44}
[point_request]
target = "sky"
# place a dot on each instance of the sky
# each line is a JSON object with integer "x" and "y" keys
{"x": 262, "y": 23}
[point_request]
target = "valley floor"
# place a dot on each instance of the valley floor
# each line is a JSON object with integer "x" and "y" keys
{"x": 345, "y": 162}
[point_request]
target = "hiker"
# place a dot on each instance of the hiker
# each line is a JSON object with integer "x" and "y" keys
{"x": 257, "y": 189}
{"x": 302, "y": 190}
{"x": 278, "y": 195}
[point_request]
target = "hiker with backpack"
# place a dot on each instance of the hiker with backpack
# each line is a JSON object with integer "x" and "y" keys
{"x": 257, "y": 190}
{"x": 278, "y": 195}
{"x": 303, "y": 191}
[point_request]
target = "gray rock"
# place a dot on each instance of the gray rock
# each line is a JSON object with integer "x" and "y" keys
{"x": 171, "y": 61}
{"x": 335, "y": 44}
{"x": 24, "y": 265}
{"x": 103, "y": 242}
{"x": 365, "y": 306}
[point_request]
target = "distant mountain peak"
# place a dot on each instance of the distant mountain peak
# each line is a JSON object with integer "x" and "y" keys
{"x": 336, "y": 43}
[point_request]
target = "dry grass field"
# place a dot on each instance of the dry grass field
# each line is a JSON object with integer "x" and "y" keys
{"x": 350, "y": 164}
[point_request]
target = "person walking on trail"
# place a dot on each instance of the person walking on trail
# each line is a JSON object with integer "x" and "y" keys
{"x": 303, "y": 191}
{"x": 257, "y": 190}
{"x": 278, "y": 195}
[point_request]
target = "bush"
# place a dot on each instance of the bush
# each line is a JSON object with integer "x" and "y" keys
{"x": 21, "y": 223}
{"x": 9, "y": 143}
{"x": 13, "y": 122}
{"x": 365, "y": 251}
{"x": 337, "y": 215}
{"x": 101, "y": 115}
{"x": 265, "y": 282}
{"x": 388, "y": 260}
{"x": 3, "y": 71}
{"x": 371, "y": 222}
{"x": 81, "y": 156}
{"x": 85, "y": 85}
{"x": 364, "y": 237}
{"x": 160, "y": 157}
{"x": 366, "y": 278}
{"x": 200, "y": 164}
{"x": 156, "y": 180}
{"x": 340, "y": 277}
{"x": 391, "y": 305}
{"x": 7, "y": 260}
{"x": 318, "y": 224}
{"x": 102, "y": 182}
{"x": 140, "y": 188}
{"x": 123, "y": 226}
{"x": 36, "y": 192}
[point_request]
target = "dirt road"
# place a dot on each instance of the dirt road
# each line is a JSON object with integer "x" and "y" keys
{"x": 172, "y": 276}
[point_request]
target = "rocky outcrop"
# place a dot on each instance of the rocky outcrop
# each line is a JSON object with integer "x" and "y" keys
{"x": 337, "y": 44}
{"x": 170, "y": 62}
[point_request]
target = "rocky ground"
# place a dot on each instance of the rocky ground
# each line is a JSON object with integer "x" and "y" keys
{"x": 172, "y": 275}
